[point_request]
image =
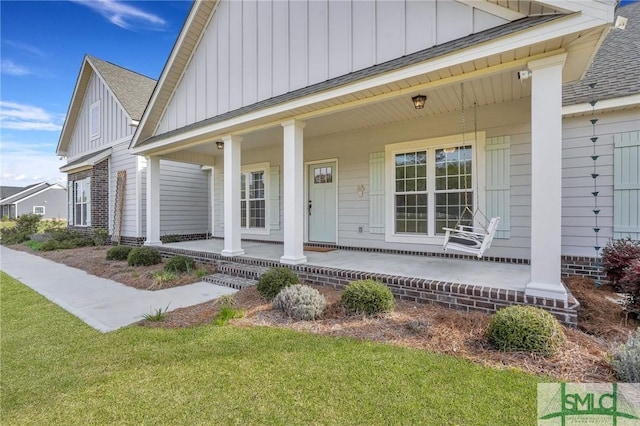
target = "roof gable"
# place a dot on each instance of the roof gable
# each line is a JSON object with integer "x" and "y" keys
{"x": 26, "y": 191}
{"x": 187, "y": 73}
{"x": 130, "y": 90}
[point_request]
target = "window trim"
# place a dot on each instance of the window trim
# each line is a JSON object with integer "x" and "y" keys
{"x": 477, "y": 143}
{"x": 265, "y": 168}
{"x": 94, "y": 106}
{"x": 87, "y": 220}
{"x": 39, "y": 207}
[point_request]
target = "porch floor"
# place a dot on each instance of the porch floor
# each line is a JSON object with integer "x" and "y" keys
{"x": 479, "y": 273}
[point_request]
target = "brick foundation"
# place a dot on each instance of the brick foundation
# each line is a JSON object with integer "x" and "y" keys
{"x": 588, "y": 267}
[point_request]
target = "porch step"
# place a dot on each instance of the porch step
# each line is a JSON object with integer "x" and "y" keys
{"x": 251, "y": 272}
{"x": 230, "y": 281}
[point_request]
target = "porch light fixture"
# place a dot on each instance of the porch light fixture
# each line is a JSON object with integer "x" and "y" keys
{"x": 220, "y": 144}
{"x": 418, "y": 101}
{"x": 449, "y": 150}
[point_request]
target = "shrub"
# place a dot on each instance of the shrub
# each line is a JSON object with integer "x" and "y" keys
{"x": 26, "y": 225}
{"x": 630, "y": 283}
{"x": 170, "y": 239}
{"x": 300, "y": 302}
{"x": 617, "y": 256}
{"x": 626, "y": 360}
{"x": 144, "y": 256}
{"x": 119, "y": 252}
{"x": 367, "y": 297}
{"x": 65, "y": 239}
{"x": 52, "y": 225}
{"x": 525, "y": 328}
{"x": 100, "y": 236}
{"x": 180, "y": 264}
{"x": 274, "y": 280}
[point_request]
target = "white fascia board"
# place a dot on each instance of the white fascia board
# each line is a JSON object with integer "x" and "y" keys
{"x": 558, "y": 28}
{"x": 599, "y": 9}
{"x": 56, "y": 186}
{"x": 16, "y": 197}
{"x": 625, "y": 101}
{"x": 72, "y": 101}
{"x": 494, "y": 9}
{"x": 115, "y": 143}
{"x": 90, "y": 162}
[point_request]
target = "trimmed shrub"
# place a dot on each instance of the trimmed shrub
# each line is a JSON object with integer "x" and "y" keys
{"x": 100, "y": 236}
{"x": 626, "y": 360}
{"x": 525, "y": 328}
{"x": 180, "y": 264}
{"x": 274, "y": 280}
{"x": 119, "y": 252}
{"x": 617, "y": 255}
{"x": 66, "y": 239}
{"x": 300, "y": 302}
{"x": 367, "y": 297}
{"x": 26, "y": 225}
{"x": 144, "y": 256}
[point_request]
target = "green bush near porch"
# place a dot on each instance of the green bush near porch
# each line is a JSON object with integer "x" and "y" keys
{"x": 57, "y": 370}
{"x": 274, "y": 280}
{"x": 144, "y": 256}
{"x": 367, "y": 297}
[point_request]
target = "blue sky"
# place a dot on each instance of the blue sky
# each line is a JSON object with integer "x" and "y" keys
{"x": 42, "y": 44}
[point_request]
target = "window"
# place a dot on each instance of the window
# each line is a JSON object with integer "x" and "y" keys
{"x": 430, "y": 184}
{"x": 94, "y": 120}
{"x": 38, "y": 210}
{"x": 82, "y": 202}
{"x": 253, "y": 198}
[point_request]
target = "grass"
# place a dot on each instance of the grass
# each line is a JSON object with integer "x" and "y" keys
{"x": 57, "y": 370}
{"x": 33, "y": 245}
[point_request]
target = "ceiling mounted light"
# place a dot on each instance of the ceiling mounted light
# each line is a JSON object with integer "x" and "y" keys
{"x": 418, "y": 101}
{"x": 220, "y": 144}
{"x": 449, "y": 150}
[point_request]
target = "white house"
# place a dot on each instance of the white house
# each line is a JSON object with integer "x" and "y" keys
{"x": 107, "y": 183}
{"x": 312, "y": 104}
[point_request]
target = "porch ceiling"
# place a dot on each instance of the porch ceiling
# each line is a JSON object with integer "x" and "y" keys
{"x": 489, "y": 80}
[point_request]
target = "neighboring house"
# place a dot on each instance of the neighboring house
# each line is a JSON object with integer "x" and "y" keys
{"x": 7, "y": 191}
{"x": 48, "y": 200}
{"x": 312, "y": 105}
{"x": 105, "y": 107}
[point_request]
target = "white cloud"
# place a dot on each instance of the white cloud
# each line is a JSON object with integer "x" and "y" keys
{"x": 26, "y": 117}
{"x": 123, "y": 15}
{"x": 7, "y": 66}
{"x": 26, "y": 48}
{"x": 24, "y": 164}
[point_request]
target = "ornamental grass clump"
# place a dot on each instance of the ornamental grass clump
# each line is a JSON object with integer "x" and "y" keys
{"x": 626, "y": 360}
{"x": 119, "y": 252}
{"x": 300, "y": 302}
{"x": 180, "y": 264}
{"x": 527, "y": 329}
{"x": 367, "y": 297}
{"x": 274, "y": 280}
{"x": 144, "y": 256}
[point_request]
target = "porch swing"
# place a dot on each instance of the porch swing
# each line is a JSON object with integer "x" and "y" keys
{"x": 464, "y": 238}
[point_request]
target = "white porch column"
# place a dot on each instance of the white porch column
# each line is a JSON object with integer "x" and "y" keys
{"x": 153, "y": 201}
{"x": 546, "y": 178}
{"x": 294, "y": 205}
{"x": 232, "y": 171}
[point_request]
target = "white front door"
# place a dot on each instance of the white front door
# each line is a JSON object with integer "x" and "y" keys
{"x": 321, "y": 205}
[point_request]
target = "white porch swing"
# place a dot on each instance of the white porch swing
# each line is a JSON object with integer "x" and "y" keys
{"x": 463, "y": 238}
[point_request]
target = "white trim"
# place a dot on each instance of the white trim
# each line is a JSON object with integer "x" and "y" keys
{"x": 540, "y": 33}
{"x": 141, "y": 163}
{"x": 97, "y": 121}
{"x": 18, "y": 201}
{"x": 479, "y": 185}
{"x": 38, "y": 207}
{"x": 257, "y": 167}
{"x": 493, "y": 9}
{"x": 88, "y": 163}
{"x": 307, "y": 164}
{"x": 112, "y": 144}
{"x": 16, "y": 197}
{"x": 620, "y": 102}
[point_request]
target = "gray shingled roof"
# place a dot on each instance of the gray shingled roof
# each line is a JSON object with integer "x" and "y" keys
{"x": 26, "y": 191}
{"x": 84, "y": 158}
{"x": 394, "y": 64}
{"x": 8, "y": 191}
{"x": 616, "y": 66}
{"x": 133, "y": 90}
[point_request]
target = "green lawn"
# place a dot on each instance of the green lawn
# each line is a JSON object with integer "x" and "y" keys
{"x": 57, "y": 370}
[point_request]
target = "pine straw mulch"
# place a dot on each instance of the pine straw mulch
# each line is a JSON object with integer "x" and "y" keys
{"x": 94, "y": 261}
{"x": 422, "y": 326}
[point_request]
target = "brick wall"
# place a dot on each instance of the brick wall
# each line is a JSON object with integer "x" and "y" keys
{"x": 588, "y": 267}
{"x": 99, "y": 175}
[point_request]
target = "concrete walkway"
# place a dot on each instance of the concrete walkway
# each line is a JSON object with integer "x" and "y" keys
{"x": 103, "y": 304}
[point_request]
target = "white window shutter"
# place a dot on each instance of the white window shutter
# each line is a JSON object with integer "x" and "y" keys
{"x": 626, "y": 185}
{"x": 274, "y": 198}
{"x": 376, "y": 193}
{"x": 70, "y": 200}
{"x": 498, "y": 181}
{"x": 88, "y": 189}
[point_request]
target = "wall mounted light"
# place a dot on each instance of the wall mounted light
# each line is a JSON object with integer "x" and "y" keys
{"x": 220, "y": 144}
{"x": 449, "y": 150}
{"x": 418, "y": 101}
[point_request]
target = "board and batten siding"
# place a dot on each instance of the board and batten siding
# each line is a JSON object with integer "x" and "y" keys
{"x": 626, "y": 185}
{"x": 255, "y": 50}
{"x": 578, "y": 219}
{"x": 115, "y": 123}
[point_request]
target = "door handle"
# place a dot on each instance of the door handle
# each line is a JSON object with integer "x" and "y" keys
{"x": 310, "y": 205}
